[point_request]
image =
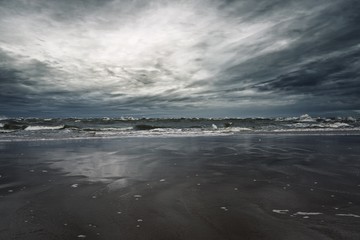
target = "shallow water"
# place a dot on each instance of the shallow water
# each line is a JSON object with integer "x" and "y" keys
{"x": 231, "y": 187}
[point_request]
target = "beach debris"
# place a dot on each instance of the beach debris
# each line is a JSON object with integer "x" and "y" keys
{"x": 254, "y": 180}
{"x": 198, "y": 184}
{"x": 140, "y": 220}
{"x": 137, "y": 226}
{"x": 119, "y": 212}
{"x": 0, "y": 176}
{"x": 75, "y": 185}
{"x": 315, "y": 182}
{"x": 81, "y": 236}
{"x": 311, "y": 189}
{"x": 162, "y": 180}
{"x": 347, "y": 215}
{"x": 10, "y": 190}
{"x": 236, "y": 189}
{"x": 224, "y": 208}
{"x": 279, "y": 211}
{"x": 332, "y": 196}
{"x": 31, "y": 170}
{"x": 305, "y": 216}
{"x": 44, "y": 171}
{"x": 93, "y": 197}
{"x": 65, "y": 224}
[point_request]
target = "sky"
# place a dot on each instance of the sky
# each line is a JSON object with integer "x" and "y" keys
{"x": 209, "y": 58}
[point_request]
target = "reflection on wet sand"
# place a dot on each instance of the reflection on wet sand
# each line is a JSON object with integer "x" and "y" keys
{"x": 253, "y": 187}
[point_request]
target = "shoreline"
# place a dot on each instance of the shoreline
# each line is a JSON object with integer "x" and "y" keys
{"x": 146, "y": 134}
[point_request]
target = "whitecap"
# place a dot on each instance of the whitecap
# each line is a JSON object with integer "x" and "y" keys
{"x": 37, "y": 128}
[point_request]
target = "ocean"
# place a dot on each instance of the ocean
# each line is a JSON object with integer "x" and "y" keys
{"x": 67, "y": 128}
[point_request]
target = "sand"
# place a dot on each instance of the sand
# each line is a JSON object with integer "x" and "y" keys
{"x": 233, "y": 187}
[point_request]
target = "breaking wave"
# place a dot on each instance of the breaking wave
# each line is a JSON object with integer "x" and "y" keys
{"x": 68, "y": 128}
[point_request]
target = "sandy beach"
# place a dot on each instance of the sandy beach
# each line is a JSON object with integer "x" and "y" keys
{"x": 231, "y": 187}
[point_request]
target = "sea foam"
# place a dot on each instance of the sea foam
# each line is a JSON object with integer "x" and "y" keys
{"x": 38, "y": 128}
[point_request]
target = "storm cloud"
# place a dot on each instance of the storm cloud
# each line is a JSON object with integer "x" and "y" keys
{"x": 171, "y": 58}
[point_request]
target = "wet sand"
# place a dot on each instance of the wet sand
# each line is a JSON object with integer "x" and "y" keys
{"x": 233, "y": 187}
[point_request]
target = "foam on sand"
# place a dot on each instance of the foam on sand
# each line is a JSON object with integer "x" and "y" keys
{"x": 285, "y": 211}
{"x": 347, "y": 215}
{"x": 308, "y": 213}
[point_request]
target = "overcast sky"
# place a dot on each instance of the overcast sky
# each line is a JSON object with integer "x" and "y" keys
{"x": 179, "y": 58}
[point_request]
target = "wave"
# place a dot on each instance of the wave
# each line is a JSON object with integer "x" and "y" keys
{"x": 75, "y": 128}
{"x": 144, "y": 127}
{"x": 319, "y": 125}
{"x": 39, "y": 128}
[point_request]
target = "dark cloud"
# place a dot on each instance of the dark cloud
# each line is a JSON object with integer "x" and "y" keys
{"x": 205, "y": 57}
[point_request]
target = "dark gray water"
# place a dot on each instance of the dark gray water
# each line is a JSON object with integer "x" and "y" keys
{"x": 59, "y": 128}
